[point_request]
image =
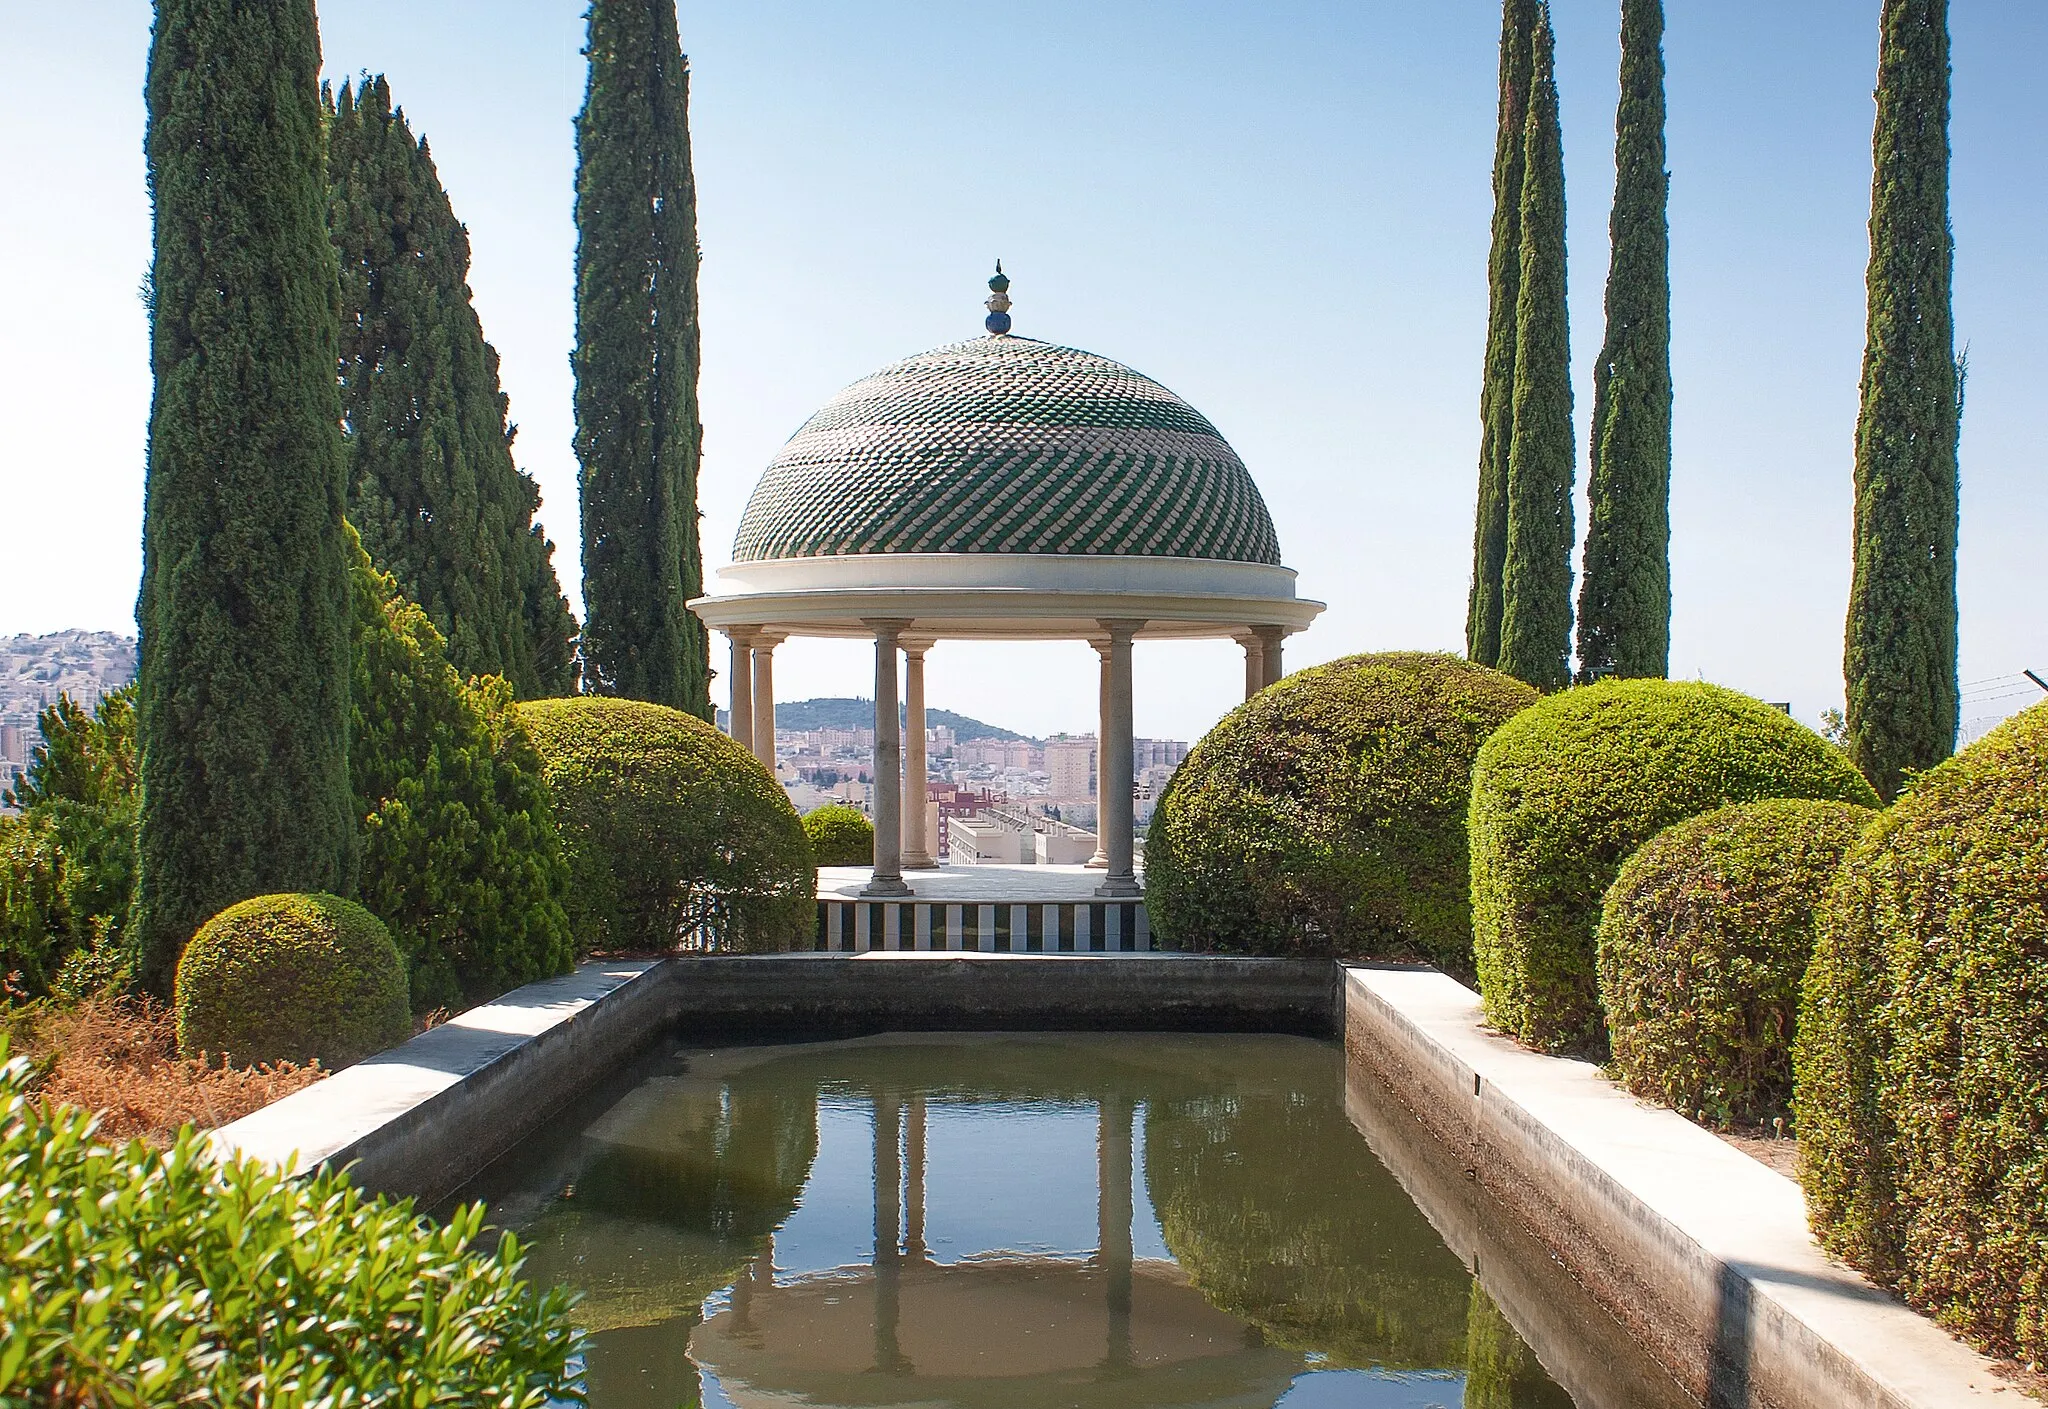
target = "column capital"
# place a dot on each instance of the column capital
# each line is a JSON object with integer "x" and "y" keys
{"x": 888, "y": 627}
{"x": 1121, "y": 629}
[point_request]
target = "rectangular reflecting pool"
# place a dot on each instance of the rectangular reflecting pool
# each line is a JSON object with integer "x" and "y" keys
{"x": 1015, "y": 1221}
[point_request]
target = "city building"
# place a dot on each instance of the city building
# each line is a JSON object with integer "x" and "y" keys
{"x": 1070, "y": 768}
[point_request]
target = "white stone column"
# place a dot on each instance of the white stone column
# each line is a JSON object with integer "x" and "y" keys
{"x": 1113, "y": 806}
{"x": 764, "y": 698}
{"x": 741, "y": 723}
{"x": 917, "y": 844}
{"x": 1254, "y": 663}
{"x": 888, "y": 808}
{"x": 1100, "y": 860}
{"x": 1270, "y": 638}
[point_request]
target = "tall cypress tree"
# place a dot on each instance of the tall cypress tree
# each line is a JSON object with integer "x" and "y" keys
{"x": 1497, "y": 382}
{"x": 1625, "y": 595}
{"x": 244, "y": 613}
{"x": 1536, "y": 583}
{"x": 1899, "y": 653}
{"x": 637, "y": 432}
{"x": 432, "y": 484}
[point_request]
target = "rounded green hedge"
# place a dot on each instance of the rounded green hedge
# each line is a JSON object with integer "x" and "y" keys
{"x": 1704, "y": 941}
{"x": 676, "y": 835}
{"x": 840, "y": 835}
{"x": 1922, "y": 1059}
{"x": 292, "y": 978}
{"x": 1326, "y": 815}
{"x": 1565, "y": 791}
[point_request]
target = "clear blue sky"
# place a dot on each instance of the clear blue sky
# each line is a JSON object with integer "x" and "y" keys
{"x": 1279, "y": 210}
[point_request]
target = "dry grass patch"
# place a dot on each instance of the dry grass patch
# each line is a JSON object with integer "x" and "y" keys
{"x": 119, "y": 1056}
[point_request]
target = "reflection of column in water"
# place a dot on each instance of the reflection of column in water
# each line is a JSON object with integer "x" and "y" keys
{"x": 1113, "y": 1220}
{"x": 756, "y": 1276}
{"x": 913, "y": 1183}
{"x": 888, "y": 1231}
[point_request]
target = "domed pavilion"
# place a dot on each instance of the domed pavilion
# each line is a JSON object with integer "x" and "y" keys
{"x": 1000, "y": 489}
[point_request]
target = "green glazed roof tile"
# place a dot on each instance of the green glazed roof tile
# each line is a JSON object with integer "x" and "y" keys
{"x": 1007, "y": 445}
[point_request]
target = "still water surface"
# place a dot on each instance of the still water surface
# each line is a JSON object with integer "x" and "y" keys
{"x": 1007, "y": 1221}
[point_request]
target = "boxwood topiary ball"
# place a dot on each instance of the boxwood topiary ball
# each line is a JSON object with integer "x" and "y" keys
{"x": 1704, "y": 940}
{"x": 1922, "y": 1059}
{"x": 1326, "y": 815}
{"x": 675, "y": 834}
{"x": 1566, "y": 791}
{"x": 840, "y": 836}
{"x": 292, "y": 978}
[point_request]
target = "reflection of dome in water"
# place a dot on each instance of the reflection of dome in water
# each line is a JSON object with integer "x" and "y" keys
{"x": 1007, "y": 445}
{"x": 989, "y": 1332}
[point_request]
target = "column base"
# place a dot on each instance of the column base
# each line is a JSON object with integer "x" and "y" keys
{"x": 1120, "y": 888}
{"x": 1097, "y": 862}
{"x": 886, "y": 887}
{"x": 918, "y": 862}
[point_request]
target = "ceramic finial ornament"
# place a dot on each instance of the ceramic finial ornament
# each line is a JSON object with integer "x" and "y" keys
{"x": 998, "y": 320}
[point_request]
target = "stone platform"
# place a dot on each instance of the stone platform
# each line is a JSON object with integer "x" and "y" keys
{"x": 984, "y": 909}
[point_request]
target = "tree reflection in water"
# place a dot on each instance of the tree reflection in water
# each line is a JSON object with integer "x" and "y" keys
{"x": 1293, "y": 1251}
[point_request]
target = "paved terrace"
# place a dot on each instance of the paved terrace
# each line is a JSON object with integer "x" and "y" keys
{"x": 975, "y": 885}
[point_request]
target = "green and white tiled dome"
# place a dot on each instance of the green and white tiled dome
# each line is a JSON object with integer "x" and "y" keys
{"x": 1005, "y": 444}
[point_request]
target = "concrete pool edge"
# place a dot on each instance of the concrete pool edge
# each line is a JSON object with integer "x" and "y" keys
{"x": 424, "y": 1117}
{"x": 1701, "y": 1252}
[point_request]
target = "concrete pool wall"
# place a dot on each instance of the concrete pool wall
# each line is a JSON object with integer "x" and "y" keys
{"x": 1701, "y": 1252}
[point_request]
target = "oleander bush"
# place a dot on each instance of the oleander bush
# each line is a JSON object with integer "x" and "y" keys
{"x": 460, "y": 858}
{"x": 141, "y": 1277}
{"x": 1922, "y": 1060}
{"x": 840, "y": 836}
{"x": 1704, "y": 941}
{"x": 1326, "y": 815}
{"x": 1567, "y": 790}
{"x": 292, "y": 978}
{"x": 676, "y": 835}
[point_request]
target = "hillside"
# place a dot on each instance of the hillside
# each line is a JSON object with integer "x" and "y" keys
{"x": 34, "y": 670}
{"x": 860, "y": 714}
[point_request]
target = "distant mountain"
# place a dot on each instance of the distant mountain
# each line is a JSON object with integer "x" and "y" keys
{"x": 860, "y": 714}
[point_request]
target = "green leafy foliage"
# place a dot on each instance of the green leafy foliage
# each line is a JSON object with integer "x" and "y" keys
{"x": 242, "y": 707}
{"x": 1899, "y": 650}
{"x": 1536, "y": 573}
{"x": 1326, "y": 815}
{"x": 1567, "y": 790}
{"x": 293, "y": 978}
{"x": 1497, "y": 382}
{"x": 459, "y": 854}
{"x": 638, "y": 436}
{"x": 1625, "y": 596}
{"x": 1501, "y": 1371}
{"x": 676, "y": 835}
{"x": 840, "y": 836}
{"x": 431, "y": 481}
{"x": 67, "y": 861}
{"x": 1922, "y": 1068}
{"x": 1323, "y": 1253}
{"x": 1705, "y": 937}
{"x": 139, "y": 1277}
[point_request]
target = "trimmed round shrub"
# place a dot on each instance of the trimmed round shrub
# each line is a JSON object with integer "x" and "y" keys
{"x": 676, "y": 835}
{"x": 1922, "y": 1058}
{"x": 140, "y": 1276}
{"x": 1704, "y": 941}
{"x": 292, "y": 978}
{"x": 840, "y": 836}
{"x": 1326, "y": 815}
{"x": 1566, "y": 791}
